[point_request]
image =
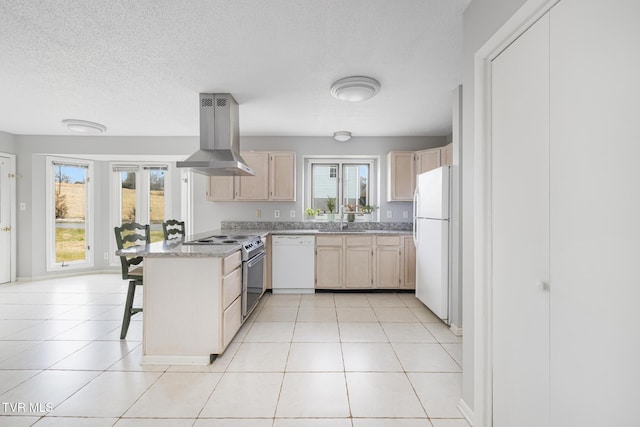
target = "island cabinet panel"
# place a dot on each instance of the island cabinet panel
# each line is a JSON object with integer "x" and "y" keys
{"x": 363, "y": 261}
{"x": 231, "y": 320}
{"x": 231, "y": 287}
{"x": 190, "y": 308}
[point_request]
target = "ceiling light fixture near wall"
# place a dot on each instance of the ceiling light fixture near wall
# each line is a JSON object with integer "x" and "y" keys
{"x": 355, "y": 89}
{"x": 83, "y": 126}
{"x": 342, "y": 136}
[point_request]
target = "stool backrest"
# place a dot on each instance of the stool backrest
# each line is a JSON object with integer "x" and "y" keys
{"x": 127, "y": 235}
{"x": 173, "y": 229}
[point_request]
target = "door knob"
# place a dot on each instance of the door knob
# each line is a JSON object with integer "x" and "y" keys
{"x": 6, "y": 229}
{"x": 542, "y": 285}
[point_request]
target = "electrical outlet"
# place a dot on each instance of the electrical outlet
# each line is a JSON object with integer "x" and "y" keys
{"x": 389, "y": 214}
{"x": 405, "y": 214}
{"x": 106, "y": 255}
{"x": 258, "y": 213}
{"x": 292, "y": 213}
{"x": 276, "y": 213}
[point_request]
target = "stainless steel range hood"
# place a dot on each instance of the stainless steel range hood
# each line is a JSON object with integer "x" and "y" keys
{"x": 219, "y": 152}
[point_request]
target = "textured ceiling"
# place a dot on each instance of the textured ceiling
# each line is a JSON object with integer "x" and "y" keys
{"x": 138, "y": 66}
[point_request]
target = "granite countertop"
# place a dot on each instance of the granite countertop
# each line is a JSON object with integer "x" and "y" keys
{"x": 175, "y": 248}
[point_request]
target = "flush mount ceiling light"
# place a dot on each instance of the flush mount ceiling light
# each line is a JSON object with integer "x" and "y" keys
{"x": 355, "y": 89}
{"x": 342, "y": 136}
{"x": 83, "y": 126}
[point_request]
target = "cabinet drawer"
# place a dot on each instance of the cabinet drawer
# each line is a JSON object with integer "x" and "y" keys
{"x": 358, "y": 240}
{"x": 231, "y": 287}
{"x": 231, "y": 321}
{"x": 231, "y": 262}
{"x": 328, "y": 240}
{"x": 388, "y": 240}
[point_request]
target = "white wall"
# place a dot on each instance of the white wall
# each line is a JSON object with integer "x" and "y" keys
{"x": 482, "y": 19}
{"x": 31, "y": 151}
{"x": 207, "y": 215}
{"x": 7, "y": 144}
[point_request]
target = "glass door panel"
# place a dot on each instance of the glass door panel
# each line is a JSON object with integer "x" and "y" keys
{"x": 70, "y": 198}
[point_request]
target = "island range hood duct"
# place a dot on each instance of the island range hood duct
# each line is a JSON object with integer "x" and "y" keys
{"x": 219, "y": 152}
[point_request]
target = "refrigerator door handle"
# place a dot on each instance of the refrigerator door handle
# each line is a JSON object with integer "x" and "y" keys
{"x": 415, "y": 223}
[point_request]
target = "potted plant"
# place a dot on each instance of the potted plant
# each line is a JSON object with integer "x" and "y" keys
{"x": 351, "y": 216}
{"x": 367, "y": 210}
{"x": 331, "y": 205}
{"x": 311, "y": 213}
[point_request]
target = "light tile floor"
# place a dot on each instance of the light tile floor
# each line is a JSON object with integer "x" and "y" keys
{"x": 323, "y": 360}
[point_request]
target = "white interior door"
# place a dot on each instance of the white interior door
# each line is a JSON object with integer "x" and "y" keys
{"x": 5, "y": 221}
{"x": 520, "y": 230}
{"x": 595, "y": 213}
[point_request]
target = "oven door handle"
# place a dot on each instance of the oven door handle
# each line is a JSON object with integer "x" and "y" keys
{"x": 255, "y": 259}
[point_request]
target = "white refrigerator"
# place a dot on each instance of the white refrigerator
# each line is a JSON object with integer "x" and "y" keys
{"x": 431, "y": 234}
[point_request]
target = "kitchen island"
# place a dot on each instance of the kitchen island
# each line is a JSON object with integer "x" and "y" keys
{"x": 192, "y": 304}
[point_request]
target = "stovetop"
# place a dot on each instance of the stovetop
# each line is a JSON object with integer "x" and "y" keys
{"x": 221, "y": 239}
{"x": 249, "y": 244}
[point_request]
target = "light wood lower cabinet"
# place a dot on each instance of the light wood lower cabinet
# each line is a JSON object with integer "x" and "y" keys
{"x": 350, "y": 261}
{"x": 409, "y": 263}
{"x": 358, "y": 262}
{"x": 329, "y": 262}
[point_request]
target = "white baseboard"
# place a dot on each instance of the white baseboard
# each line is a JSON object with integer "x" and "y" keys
{"x": 456, "y": 330}
{"x": 466, "y": 411}
{"x": 292, "y": 291}
{"x": 176, "y": 360}
{"x": 65, "y": 274}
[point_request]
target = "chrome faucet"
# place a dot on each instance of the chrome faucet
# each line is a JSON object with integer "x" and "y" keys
{"x": 342, "y": 223}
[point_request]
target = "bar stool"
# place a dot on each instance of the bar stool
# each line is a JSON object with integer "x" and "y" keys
{"x": 128, "y": 235}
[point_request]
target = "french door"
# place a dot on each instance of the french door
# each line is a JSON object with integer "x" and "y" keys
{"x": 69, "y": 213}
{"x": 141, "y": 194}
{"x": 6, "y": 228}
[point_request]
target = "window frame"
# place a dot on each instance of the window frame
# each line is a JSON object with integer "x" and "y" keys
{"x": 374, "y": 176}
{"x": 143, "y": 184}
{"x": 50, "y": 239}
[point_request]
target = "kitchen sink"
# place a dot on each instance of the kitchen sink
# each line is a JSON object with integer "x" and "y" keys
{"x": 346, "y": 231}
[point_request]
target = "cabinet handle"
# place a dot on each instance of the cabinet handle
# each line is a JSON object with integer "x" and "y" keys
{"x": 6, "y": 229}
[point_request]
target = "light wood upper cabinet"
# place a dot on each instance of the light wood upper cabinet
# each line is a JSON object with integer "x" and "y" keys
{"x": 221, "y": 189}
{"x": 274, "y": 179}
{"x": 254, "y": 187}
{"x": 446, "y": 155}
{"x": 427, "y": 160}
{"x": 403, "y": 166}
{"x": 400, "y": 176}
{"x": 282, "y": 176}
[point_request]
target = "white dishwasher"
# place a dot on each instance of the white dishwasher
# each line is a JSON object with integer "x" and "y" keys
{"x": 293, "y": 264}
